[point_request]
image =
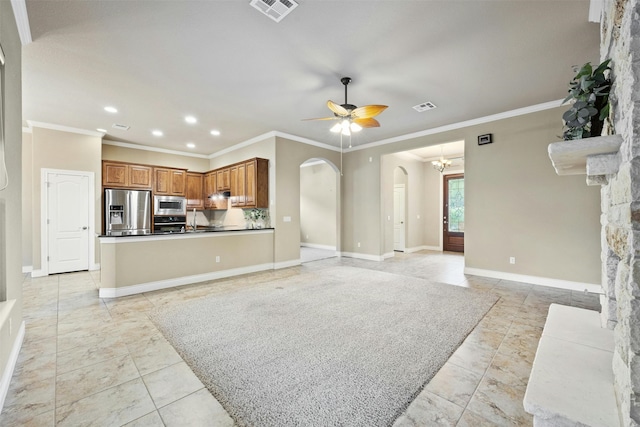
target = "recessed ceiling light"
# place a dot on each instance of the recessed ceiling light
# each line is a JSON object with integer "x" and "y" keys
{"x": 190, "y": 119}
{"x": 101, "y": 130}
{"x": 157, "y": 132}
{"x": 191, "y": 145}
{"x": 215, "y": 132}
{"x": 111, "y": 109}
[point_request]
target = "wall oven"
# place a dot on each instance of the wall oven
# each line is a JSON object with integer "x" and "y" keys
{"x": 169, "y": 224}
{"x": 169, "y": 205}
{"x": 169, "y": 214}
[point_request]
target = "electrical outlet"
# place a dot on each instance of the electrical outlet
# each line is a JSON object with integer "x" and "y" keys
{"x": 418, "y": 216}
{"x": 388, "y": 217}
{"x": 306, "y": 237}
{"x": 286, "y": 219}
{"x": 217, "y": 258}
{"x": 358, "y": 244}
{"x": 512, "y": 260}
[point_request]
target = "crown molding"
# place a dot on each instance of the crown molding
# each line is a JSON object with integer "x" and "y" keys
{"x": 487, "y": 119}
{"x": 155, "y": 149}
{"x": 22, "y": 21}
{"x": 61, "y": 128}
{"x": 272, "y": 134}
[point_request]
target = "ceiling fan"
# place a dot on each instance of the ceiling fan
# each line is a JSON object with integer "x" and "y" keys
{"x": 352, "y": 118}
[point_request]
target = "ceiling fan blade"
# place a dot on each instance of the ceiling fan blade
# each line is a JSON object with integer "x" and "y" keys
{"x": 367, "y": 111}
{"x": 323, "y": 118}
{"x": 337, "y": 108}
{"x": 367, "y": 122}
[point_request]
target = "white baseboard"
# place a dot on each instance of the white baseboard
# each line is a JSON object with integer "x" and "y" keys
{"x": 388, "y": 255}
{"x": 422, "y": 248}
{"x": 536, "y": 280}
{"x": 27, "y": 268}
{"x": 179, "y": 281}
{"x": 94, "y": 266}
{"x": 38, "y": 273}
{"x": 286, "y": 264}
{"x": 362, "y": 256}
{"x": 316, "y": 246}
{"x": 5, "y": 381}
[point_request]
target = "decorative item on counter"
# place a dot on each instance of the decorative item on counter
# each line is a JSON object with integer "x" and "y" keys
{"x": 256, "y": 218}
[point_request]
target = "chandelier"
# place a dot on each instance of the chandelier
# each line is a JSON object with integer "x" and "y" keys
{"x": 441, "y": 165}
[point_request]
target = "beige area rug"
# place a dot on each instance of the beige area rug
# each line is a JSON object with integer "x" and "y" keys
{"x": 342, "y": 346}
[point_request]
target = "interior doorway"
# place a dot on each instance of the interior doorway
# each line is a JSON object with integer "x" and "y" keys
{"x": 400, "y": 181}
{"x": 319, "y": 207}
{"x": 67, "y": 220}
{"x": 453, "y": 213}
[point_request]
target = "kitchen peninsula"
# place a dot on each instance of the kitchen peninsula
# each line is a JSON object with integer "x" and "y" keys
{"x": 136, "y": 264}
{"x": 135, "y": 259}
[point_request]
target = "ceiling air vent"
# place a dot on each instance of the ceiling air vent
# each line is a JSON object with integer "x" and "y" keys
{"x": 275, "y": 9}
{"x": 424, "y": 107}
{"x": 120, "y": 127}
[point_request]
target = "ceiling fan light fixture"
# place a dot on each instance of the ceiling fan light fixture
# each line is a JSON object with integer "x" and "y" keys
{"x": 355, "y": 127}
{"x": 336, "y": 128}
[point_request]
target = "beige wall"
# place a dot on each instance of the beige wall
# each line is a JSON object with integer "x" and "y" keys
{"x": 431, "y": 208}
{"x": 515, "y": 203}
{"x": 27, "y": 194}
{"x": 318, "y": 204}
{"x": 54, "y": 149}
{"x": 10, "y": 198}
{"x": 290, "y": 155}
{"x": 145, "y": 157}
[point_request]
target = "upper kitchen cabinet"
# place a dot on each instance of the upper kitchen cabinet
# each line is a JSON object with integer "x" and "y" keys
{"x": 125, "y": 175}
{"x": 170, "y": 182}
{"x": 250, "y": 184}
{"x": 211, "y": 195}
{"x": 257, "y": 183}
{"x": 237, "y": 178}
{"x": 195, "y": 198}
{"x": 222, "y": 179}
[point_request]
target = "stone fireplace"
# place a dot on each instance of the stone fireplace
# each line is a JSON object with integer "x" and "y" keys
{"x": 620, "y": 193}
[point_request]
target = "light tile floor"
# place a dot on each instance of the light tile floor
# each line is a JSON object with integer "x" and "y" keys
{"x": 91, "y": 361}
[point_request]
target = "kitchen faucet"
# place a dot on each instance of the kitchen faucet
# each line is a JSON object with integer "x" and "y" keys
{"x": 194, "y": 225}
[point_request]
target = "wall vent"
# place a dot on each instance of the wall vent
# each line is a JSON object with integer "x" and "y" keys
{"x": 120, "y": 127}
{"x": 275, "y": 9}
{"x": 424, "y": 106}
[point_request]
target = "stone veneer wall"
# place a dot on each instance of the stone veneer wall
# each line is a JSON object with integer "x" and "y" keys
{"x": 620, "y": 41}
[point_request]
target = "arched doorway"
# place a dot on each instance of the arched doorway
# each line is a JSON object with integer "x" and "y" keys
{"x": 319, "y": 207}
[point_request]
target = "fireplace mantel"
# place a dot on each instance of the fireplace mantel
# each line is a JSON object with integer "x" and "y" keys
{"x": 595, "y": 157}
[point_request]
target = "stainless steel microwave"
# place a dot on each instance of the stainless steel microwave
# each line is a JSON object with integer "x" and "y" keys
{"x": 169, "y": 205}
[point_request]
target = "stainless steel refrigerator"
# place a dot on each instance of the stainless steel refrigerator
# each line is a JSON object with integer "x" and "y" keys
{"x": 127, "y": 212}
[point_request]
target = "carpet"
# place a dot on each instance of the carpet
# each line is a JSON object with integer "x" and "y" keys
{"x": 341, "y": 346}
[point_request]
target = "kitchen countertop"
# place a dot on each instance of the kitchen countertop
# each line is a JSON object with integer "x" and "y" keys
{"x": 199, "y": 230}
{"x": 210, "y": 231}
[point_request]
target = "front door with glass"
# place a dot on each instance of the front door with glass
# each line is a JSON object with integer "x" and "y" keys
{"x": 453, "y": 216}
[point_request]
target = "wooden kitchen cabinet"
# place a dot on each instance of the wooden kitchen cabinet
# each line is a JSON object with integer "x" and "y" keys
{"x": 195, "y": 190}
{"x": 125, "y": 175}
{"x": 257, "y": 183}
{"x": 250, "y": 184}
{"x": 211, "y": 195}
{"x": 169, "y": 182}
{"x": 237, "y": 178}
{"x": 222, "y": 179}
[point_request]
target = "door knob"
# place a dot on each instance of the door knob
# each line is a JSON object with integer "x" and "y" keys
{"x": 84, "y": 228}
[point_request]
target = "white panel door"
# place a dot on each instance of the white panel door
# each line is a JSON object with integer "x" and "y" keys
{"x": 68, "y": 222}
{"x": 398, "y": 218}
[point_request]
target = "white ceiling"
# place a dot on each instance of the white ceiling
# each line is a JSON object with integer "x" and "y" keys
{"x": 238, "y": 71}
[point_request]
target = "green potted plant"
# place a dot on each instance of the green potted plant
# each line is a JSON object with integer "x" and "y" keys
{"x": 256, "y": 218}
{"x": 589, "y": 90}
